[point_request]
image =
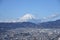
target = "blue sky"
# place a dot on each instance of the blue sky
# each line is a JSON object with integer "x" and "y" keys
{"x": 12, "y": 9}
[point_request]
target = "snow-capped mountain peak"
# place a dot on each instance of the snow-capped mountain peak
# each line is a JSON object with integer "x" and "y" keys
{"x": 26, "y": 17}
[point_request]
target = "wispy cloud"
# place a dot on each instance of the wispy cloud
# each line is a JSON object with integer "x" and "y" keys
{"x": 51, "y": 16}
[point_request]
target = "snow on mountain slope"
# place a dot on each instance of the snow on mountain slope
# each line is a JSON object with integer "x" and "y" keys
{"x": 26, "y": 18}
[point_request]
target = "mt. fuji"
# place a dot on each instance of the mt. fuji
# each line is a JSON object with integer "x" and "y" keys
{"x": 26, "y": 18}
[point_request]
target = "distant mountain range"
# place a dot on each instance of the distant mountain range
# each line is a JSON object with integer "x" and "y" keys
{"x": 50, "y": 24}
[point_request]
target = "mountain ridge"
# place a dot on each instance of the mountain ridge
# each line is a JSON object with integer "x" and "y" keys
{"x": 49, "y": 24}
